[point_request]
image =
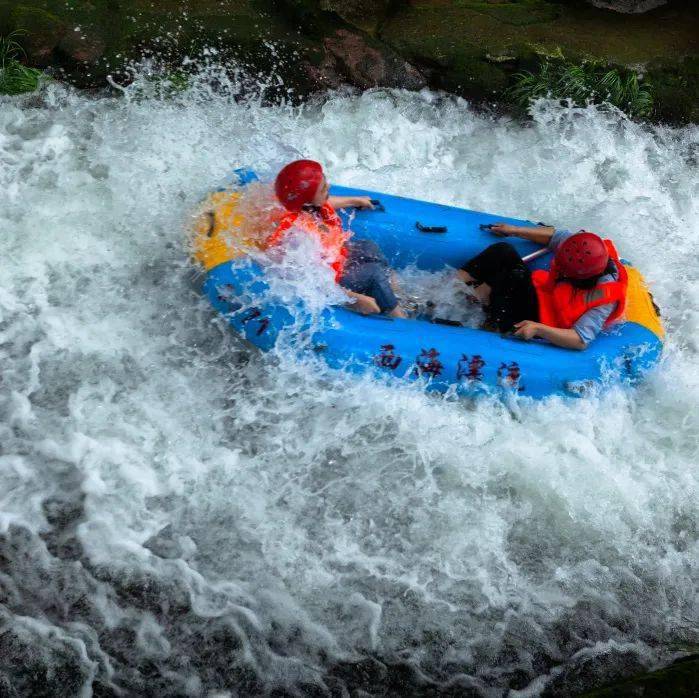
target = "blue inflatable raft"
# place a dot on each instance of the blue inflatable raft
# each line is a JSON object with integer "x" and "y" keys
{"x": 429, "y": 236}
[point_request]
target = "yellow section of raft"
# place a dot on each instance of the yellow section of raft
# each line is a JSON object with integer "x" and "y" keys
{"x": 639, "y": 304}
{"x": 219, "y": 233}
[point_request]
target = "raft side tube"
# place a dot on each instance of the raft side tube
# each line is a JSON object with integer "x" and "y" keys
{"x": 472, "y": 360}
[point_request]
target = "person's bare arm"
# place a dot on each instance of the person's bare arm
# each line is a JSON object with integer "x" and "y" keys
{"x": 568, "y": 339}
{"x": 350, "y": 202}
{"x": 541, "y": 234}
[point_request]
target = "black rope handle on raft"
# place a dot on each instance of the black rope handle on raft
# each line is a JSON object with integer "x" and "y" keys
{"x": 212, "y": 223}
{"x": 430, "y": 228}
{"x": 378, "y": 206}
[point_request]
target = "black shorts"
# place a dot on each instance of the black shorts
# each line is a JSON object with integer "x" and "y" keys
{"x": 513, "y": 297}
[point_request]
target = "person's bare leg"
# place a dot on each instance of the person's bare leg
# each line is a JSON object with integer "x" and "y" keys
{"x": 480, "y": 290}
{"x": 397, "y": 312}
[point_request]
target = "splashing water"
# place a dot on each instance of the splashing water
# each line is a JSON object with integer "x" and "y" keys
{"x": 182, "y": 516}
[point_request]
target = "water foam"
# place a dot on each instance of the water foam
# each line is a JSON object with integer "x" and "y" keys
{"x": 180, "y": 514}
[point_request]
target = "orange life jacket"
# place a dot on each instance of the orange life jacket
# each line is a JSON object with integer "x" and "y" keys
{"x": 562, "y": 305}
{"x": 326, "y": 225}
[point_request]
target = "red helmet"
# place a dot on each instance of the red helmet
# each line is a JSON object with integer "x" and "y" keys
{"x": 297, "y": 183}
{"x": 582, "y": 256}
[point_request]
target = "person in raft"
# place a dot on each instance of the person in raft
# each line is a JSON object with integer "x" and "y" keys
{"x": 583, "y": 291}
{"x": 360, "y": 267}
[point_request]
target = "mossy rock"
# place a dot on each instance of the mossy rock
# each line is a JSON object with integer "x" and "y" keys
{"x": 679, "y": 680}
{"x": 475, "y": 75}
{"x": 364, "y": 14}
{"x": 455, "y": 39}
{"x": 110, "y": 34}
{"x": 676, "y": 89}
{"x": 426, "y": 27}
{"x": 40, "y": 32}
{"x": 517, "y": 13}
{"x": 471, "y": 47}
{"x": 309, "y": 16}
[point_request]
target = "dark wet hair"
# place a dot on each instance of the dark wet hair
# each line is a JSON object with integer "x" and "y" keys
{"x": 591, "y": 282}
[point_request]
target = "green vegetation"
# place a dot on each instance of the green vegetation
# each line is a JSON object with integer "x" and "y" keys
{"x": 589, "y": 81}
{"x": 163, "y": 85}
{"x": 15, "y": 78}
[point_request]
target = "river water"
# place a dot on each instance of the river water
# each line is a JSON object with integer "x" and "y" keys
{"x": 180, "y": 516}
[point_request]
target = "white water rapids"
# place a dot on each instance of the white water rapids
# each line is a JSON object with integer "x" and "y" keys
{"x": 179, "y": 516}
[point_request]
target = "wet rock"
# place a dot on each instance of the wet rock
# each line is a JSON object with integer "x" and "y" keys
{"x": 628, "y": 6}
{"x": 219, "y": 656}
{"x": 63, "y": 513}
{"x": 476, "y": 48}
{"x": 156, "y": 644}
{"x": 591, "y": 670}
{"x": 219, "y": 645}
{"x": 351, "y": 58}
{"x": 40, "y": 32}
{"x": 83, "y": 45}
{"x": 37, "y": 658}
{"x": 367, "y": 14}
{"x": 403, "y": 677}
{"x": 101, "y": 689}
{"x": 166, "y": 544}
{"x": 7, "y": 690}
{"x": 365, "y": 674}
{"x": 146, "y": 591}
{"x": 679, "y": 680}
{"x": 311, "y": 690}
{"x": 55, "y": 589}
{"x": 65, "y": 547}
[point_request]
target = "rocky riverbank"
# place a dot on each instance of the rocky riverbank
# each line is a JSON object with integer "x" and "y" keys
{"x": 475, "y": 48}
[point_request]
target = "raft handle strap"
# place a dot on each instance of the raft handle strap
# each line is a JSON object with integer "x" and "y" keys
{"x": 489, "y": 226}
{"x": 446, "y": 321}
{"x": 212, "y": 223}
{"x": 378, "y": 206}
{"x": 430, "y": 228}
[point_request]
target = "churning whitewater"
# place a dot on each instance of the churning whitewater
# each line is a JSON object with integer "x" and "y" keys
{"x": 183, "y": 516}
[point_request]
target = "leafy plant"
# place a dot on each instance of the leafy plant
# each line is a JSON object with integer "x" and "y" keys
{"x": 590, "y": 81}
{"x": 159, "y": 82}
{"x": 15, "y": 78}
{"x": 176, "y": 81}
